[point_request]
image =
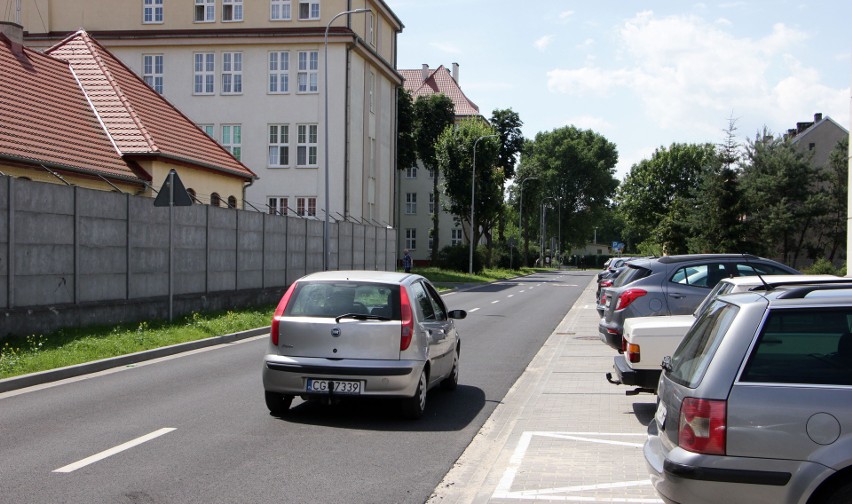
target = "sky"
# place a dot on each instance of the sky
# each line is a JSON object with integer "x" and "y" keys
{"x": 644, "y": 74}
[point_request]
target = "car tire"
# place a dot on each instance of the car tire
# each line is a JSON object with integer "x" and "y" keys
{"x": 451, "y": 382}
{"x": 414, "y": 406}
{"x": 840, "y": 495}
{"x": 278, "y": 404}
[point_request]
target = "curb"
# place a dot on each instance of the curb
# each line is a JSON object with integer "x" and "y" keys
{"x": 29, "y": 380}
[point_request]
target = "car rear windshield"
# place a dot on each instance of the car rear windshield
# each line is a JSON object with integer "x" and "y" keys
{"x": 690, "y": 360}
{"x": 807, "y": 346}
{"x": 631, "y": 274}
{"x": 332, "y": 299}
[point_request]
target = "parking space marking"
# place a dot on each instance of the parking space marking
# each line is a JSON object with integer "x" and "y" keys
{"x": 112, "y": 451}
{"x": 568, "y": 493}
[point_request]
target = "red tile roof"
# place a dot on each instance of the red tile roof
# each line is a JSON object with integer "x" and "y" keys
{"x": 78, "y": 107}
{"x": 438, "y": 81}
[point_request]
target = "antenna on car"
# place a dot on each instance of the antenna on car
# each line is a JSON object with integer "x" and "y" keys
{"x": 766, "y": 286}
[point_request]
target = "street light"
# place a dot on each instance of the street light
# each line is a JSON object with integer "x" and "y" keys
{"x": 521, "y": 216}
{"x": 472, "y": 199}
{"x": 325, "y": 247}
{"x": 544, "y": 227}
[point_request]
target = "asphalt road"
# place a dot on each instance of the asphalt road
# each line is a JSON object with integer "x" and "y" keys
{"x": 194, "y": 428}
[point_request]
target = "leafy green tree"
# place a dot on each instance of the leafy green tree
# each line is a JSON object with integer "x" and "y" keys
{"x": 836, "y": 184}
{"x": 433, "y": 114}
{"x": 507, "y": 123}
{"x": 406, "y": 147}
{"x": 576, "y": 168}
{"x": 454, "y": 156}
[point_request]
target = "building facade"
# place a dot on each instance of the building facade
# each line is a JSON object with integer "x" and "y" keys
{"x": 252, "y": 76}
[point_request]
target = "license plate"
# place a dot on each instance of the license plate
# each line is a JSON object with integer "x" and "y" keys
{"x": 661, "y": 415}
{"x": 334, "y": 386}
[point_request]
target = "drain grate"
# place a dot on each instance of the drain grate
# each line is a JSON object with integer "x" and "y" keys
{"x": 588, "y": 338}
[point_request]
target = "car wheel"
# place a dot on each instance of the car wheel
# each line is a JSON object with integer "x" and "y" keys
{"x": 841, "y": 495}
{"x": 277, "y": 403}
{"x": 452, "y": 381}
{"x": 414, "y": 406}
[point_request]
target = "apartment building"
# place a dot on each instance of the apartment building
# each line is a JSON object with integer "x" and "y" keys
{"x": 252, "y": 75}
{"x": 416, "y": 202}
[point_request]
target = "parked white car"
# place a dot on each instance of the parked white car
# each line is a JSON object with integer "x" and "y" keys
{"x": 648, "y": 339}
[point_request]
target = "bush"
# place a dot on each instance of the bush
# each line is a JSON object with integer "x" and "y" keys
{"x": 457, "y": 258}
{"x": 823, "y": 266}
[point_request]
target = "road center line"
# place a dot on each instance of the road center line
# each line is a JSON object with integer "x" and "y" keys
{"x": 112, "y": 451}
{"x": 495, "y": 301}
{"x": 472, "y": 310}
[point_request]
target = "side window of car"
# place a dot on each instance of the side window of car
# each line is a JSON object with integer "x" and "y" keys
{"x": 437, "y": 303}
{"x": 803, "y": 346}
{"x": 421, "y": 299}
{"x": 755, "y": 268}
{"x": 700, "y": 275}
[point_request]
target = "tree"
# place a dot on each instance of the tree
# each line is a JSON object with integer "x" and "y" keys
{"x": 507, "y": 124}
{"x": 433, "y": 114}
{"x": 406, "y": 147}
{"x": 833, "y": 223}
{"x": 454, "y": 155}
{"x": 575, "y": 167}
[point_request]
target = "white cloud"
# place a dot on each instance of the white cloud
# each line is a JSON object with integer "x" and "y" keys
{"x": 597, "y": 124}
{"x": 544, "y": 42}
{"x": 564, "y": 15}
{"x": 447, "y": 48}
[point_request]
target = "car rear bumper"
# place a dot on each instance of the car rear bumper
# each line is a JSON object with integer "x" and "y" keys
{"x": 644, "y": 378}
{"x": 610, "y": 335}
{"x": 287, "y": 375}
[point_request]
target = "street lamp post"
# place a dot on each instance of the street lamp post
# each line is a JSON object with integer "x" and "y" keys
{"x": 521, "y": 217}
{"x": 544, "y": 227}
{"x": 472, "y": 199}
{"x": 325, "y": 247}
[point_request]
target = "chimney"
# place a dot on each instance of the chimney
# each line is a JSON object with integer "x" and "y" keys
{"x": 456, "y": 72}
{"x": 425, "y": 72}
{"x": 818, "y": 117}
{"x": 15, "y": 34}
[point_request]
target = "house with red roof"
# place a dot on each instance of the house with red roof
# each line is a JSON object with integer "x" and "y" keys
{"x": 75, "y": 114}
{"x": 416, "y": 202}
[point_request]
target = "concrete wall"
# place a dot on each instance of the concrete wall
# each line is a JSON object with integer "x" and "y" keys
{"x": 72, "y": 256}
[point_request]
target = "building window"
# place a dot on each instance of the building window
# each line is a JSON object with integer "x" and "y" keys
{"x": 411, "y": 238}
{"x": 279, "y": 145}
{"x": 232, "y": 73}
{"x": 152, "y": 11}
{"x": 308, "y": 71}
{"x": 209, "y": 129}
{"x": 309, "y": 9}
{"x": 811, "y": 146}
{"x": 205, "y": 11}
{"x": 232, "y": 202}
{"x": 411, "y": 203}
{"x": 279, "y": 72}
{"x": 306, "y": 206}
{"x": 456, "y": 237}
{"x": 215, "y": 200}
{"x": 306, "y": 145}
{"x": 279, "y": 10}
{"x": 411, "y": 172}
{"x": 152, "y": 71}
{"x": 277, "y": 205}
{"x": 431, "y": 238}
{"x": 431, "y": 203}
{"x": 371, "y": 87}
{"x": 232, "y": 139}
{"x": 371, "y": 30}
{"x": 232, "y": 10}
{"x": 204, "y": 69}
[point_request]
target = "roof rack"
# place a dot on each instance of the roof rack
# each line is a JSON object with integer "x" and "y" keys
{"x": 690, "y": 257}
{"x": 800, "y": 292}
{"x": 768, "y": 284}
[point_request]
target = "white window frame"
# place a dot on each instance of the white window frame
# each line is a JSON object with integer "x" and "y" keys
{"x": 278, "y": 152}
{"x": 279, "y": 72}
{"x": 232, "y": 139}
{"x": 232, "y": 73}
{"x": 456, "y": 237}
{"x": 152, "y": 12}
{"x": 411, "y": 238}
{"x": 204, "y": 12}
{"x": 277, "y": 205}
{"x": 371, "y": 86}
{"x": 411, "y": 172}
{"x": 204, "y": 73}
{"x": 313, "y": 10}
{"x": 152, "y": 71}
{"x": 307, "y": 77}
{"x": 431, "y": 203}
{"x": 209, "y": 130}
{"x": 411, "y": 203}
{"x": 232, "y": 11}
{"x": 307, "y": 145}
{"x": 280, "y": 10}
{"x": 306, "y": 206}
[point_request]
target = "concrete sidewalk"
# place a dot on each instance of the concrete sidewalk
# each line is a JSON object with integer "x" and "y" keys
{"x": 562, "y": 433}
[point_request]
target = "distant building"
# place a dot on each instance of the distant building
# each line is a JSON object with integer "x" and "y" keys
{"x": 817, "y": 138}
{"x": 76, "y": 115}
{"x": 416, "y": 204}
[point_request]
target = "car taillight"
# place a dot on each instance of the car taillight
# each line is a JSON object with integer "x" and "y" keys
{"x": 702, "y": 426}
{"x": 279, "y": 311}
{"x": 631, "y": 351}
{"x": 407, "y": 331}
{"x": 628, "y": 297}
{"x": 606, "y": 283}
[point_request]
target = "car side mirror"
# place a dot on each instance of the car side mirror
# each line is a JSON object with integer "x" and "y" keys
{"x": 457, "y": 314}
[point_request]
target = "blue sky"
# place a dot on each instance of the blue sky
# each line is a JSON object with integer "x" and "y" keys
{"x": 643, "y": 74}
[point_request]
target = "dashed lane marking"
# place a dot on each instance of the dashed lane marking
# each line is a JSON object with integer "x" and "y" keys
{"x": 112, "y": 451}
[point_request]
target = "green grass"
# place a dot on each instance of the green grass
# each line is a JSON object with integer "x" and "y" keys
{"x": 66, "y": 347}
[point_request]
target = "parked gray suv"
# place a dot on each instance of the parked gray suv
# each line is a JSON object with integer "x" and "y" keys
{"x": 755, "y": 405}
{"x": 672, "y": 285}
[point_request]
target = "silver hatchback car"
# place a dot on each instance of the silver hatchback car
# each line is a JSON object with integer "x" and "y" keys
{"x": 349, "y": 334}
{"x": 755, "y": 405}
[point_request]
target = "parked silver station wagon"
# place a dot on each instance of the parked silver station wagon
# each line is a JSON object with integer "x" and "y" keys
{"x": 755, "y": 405}
{"x": 349, "y": 334}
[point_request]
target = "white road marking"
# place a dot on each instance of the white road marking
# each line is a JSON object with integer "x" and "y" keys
{"x": 510, "y": 295}
{"x": 112, "y": 451}
{"x": 472, "y": 310}
{"x": 495, "y": 301}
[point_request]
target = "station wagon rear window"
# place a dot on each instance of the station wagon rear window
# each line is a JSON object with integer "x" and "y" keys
{"x": 332, "y": 299}
{"x": 692, "y": 357}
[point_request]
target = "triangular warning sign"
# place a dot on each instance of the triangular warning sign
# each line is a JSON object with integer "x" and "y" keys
{"x": 172, "y": 192}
